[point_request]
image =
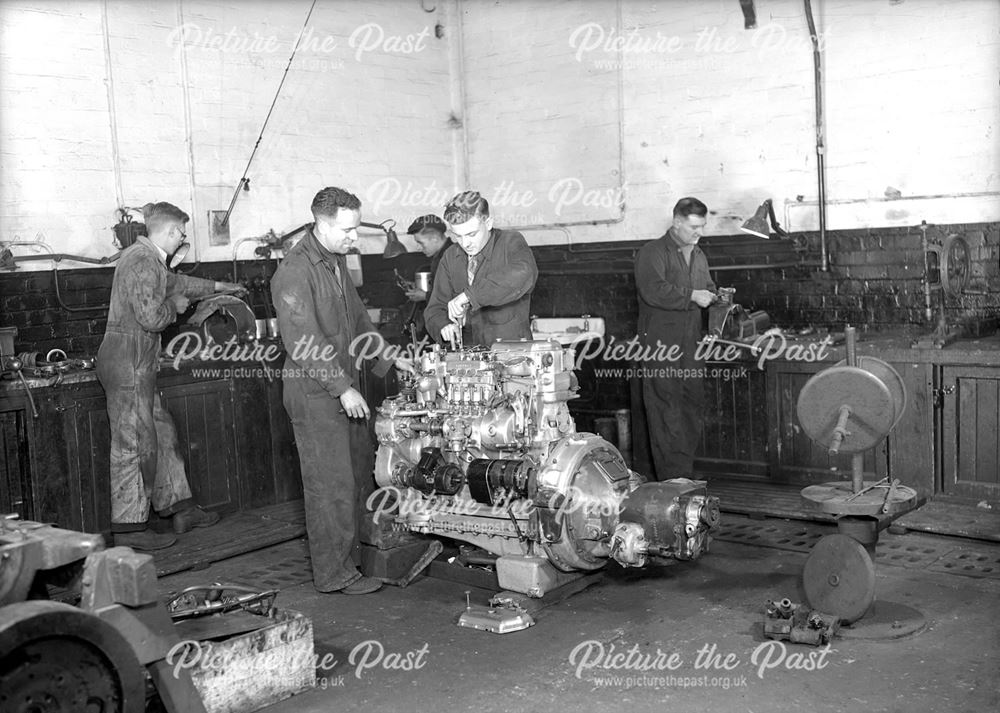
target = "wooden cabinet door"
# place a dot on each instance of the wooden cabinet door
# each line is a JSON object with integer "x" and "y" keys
{"x": 970, "y": 436}
{"x": 15, "y": 460}
{"x": 88, "y": 450}
{"x": 204, "y": 415}
{"x": 734, "y": 440}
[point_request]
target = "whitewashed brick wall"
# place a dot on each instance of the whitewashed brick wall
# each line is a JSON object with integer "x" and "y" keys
{"x": 553, "y": 124}
{"x": 191, "y": 83}
{"x": 711, "y": 109}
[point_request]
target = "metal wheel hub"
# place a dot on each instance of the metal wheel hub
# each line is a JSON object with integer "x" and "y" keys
{"x": 58, "y": 675}
{"x": 55, "y": 658}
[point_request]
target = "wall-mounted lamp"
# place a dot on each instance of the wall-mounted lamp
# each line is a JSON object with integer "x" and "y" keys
{"x": 393, "y": 247}
{"x": 758, "y": 223}
{"x": 749, "y": 14}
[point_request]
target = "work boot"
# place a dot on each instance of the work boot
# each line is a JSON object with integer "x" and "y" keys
{"x": 191, "y": 518}
{"x": 144, "y": 540}
{"x": 362, "y": 585}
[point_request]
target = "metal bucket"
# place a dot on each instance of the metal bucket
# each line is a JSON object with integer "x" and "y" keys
{"x": 422, "y": 281}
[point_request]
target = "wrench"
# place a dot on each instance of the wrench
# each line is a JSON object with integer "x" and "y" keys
{"x": 879, "y": 484}
{"x": 888, "y": 495}
{"x": 461, "y": 325}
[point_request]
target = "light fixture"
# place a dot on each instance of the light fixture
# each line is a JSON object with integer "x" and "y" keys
{"x": 758, "y": 223}
{"x": 393, "y": 247}
{"x": 175, "y": 258}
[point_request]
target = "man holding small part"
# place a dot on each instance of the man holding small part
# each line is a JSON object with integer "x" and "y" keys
{"x": 482, "y": 292}
{"x": 674, "y": 285}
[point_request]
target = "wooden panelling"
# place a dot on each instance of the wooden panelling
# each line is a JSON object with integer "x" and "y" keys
{"x": 204, "y": 415}
{"x": 88, "y": 438}
{"x": 735, "y": 435}
{"x": 970, "y": 439}
{"x": 15, "y": 473}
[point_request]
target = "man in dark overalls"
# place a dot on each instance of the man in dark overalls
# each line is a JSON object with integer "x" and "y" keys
{"x": 674, "y": 285}
{"x": 146, "y": 465}
{"x": 319, "y": 316}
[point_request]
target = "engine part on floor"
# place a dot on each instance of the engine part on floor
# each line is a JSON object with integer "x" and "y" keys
{"x": 57, "y": 657}
{"x": 208, "y": 599}
{"x": 839, "y": 578}
{"x": 786, "y": 621}
{"x": 502, "y": 616}
{"x": 520, "y": 481}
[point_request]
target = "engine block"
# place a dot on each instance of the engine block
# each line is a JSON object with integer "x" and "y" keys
{"x": 480, "y": 446}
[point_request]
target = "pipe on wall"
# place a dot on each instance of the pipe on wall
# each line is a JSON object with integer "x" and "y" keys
{"x": 820, "y": 138}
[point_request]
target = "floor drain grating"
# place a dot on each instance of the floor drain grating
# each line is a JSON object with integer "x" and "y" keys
{"x": 794, "y": 538}
{"x": 894, "y": 550}
{"x": 280, "y": 575}
{"x": 969, "y": 563}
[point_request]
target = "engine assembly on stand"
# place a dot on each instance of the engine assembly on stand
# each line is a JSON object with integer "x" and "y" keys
{"x": 480, "y": 446}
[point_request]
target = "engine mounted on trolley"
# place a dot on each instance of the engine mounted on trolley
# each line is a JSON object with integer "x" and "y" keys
{"x": 480, "y": 446}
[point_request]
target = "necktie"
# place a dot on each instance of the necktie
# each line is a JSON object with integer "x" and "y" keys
{"x": 473, "y": 265}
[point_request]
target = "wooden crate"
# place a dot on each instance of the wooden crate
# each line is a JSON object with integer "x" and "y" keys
{"x": 257, "y": 669}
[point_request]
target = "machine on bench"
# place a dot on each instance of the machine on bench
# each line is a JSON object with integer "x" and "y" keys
{"x": 728, "y": 320}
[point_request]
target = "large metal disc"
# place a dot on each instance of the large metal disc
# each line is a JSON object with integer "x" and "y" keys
{"x": 888, "y": 376}
{"x": 839, "y": 578}
{"x": 872, "y": 409}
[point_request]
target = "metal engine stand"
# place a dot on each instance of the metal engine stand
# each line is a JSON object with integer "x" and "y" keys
{"x": 849, "y": 408}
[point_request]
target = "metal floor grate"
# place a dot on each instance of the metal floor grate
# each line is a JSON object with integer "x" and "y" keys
{"x": 778, "y": 535}
{"x": 912, "y": 551}
{"x": 895, "y": 550}
{"x": 289, "y": 572}
{"x": 969, "y": 562}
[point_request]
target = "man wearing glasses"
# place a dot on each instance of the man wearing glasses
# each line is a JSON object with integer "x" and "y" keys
{"x": 146, "y": 466}
{"x": 482, "y": 292}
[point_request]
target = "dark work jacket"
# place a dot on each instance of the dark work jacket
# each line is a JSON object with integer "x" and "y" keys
{"x": 318, "y": 312}
{"x": 139, "y": 310}
{"x": 665, "y": 281}
{"x": 500, "y": 295}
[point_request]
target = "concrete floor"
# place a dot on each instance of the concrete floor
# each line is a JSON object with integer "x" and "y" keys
{"x": 952, "y": 665}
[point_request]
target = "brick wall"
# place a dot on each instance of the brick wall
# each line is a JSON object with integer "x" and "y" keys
{"x": 874, "y": 282}
{"x": 570, "y": 112}
{"x": 677, "y": 98}
{"x": 120, "y": 103}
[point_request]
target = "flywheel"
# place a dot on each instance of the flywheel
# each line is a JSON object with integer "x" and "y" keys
{"x": 55, "y": 658}
{"x": 839, "y": 578}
